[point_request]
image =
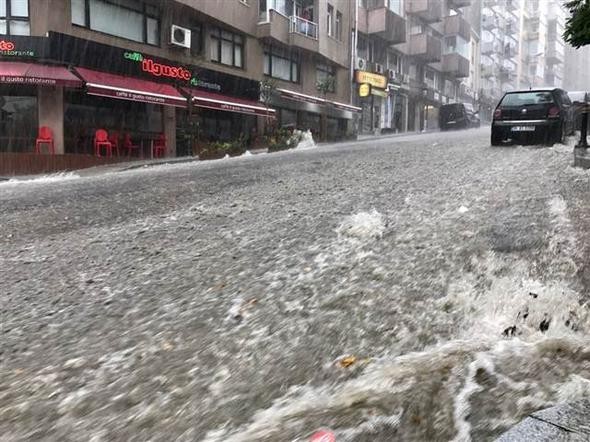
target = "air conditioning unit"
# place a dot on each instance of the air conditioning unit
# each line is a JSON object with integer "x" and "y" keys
{"x": 180, "y": 36}
{"x": 379, "y": 68}
{"x": 361, "y": 64}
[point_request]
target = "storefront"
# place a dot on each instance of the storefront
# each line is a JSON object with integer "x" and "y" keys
{"x": 373, "y": 100}
{"x": 75, "y": 87}
{"x": 305, "y": 112}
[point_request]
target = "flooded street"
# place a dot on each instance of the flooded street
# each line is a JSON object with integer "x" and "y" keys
{"x": 416, "y": 288}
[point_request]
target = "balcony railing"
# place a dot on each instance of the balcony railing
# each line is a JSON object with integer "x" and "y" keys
{"x": 304, "y": 27}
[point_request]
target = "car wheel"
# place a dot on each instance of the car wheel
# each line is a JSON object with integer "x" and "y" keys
{"x": 496, "y": 139}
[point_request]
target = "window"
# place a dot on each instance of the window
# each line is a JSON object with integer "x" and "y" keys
{"x": 14, "y": 17}
{"x": 227, "y": 48}
{"x": 130, "y": 19}
{"x": 196, "y": 39}
{"x": 396, "y": 6}
{"x": 326, "y": 74}
{"x": 457, "y": 45}
{"x": 330, "y": 24}
{"x": 281, "y": 64}
{"x": 338, "y": 25}
{"x": 527, "y": 98}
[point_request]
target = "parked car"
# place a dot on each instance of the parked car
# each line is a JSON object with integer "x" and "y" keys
{"x": 533, "y": 116}
{"x": 579, "y": 100}
{"x": 457, "y": 116}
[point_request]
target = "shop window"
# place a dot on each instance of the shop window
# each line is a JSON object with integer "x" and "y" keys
{"x": 84, "y": 114}
{"x": 227, "y": 48}
{"x": 14, "y": 17}
{"x": 18, "y": 121}
{"x": 330, "y": 23}
{"x": 326, "y": 74}
{"x": 130, "y": 19}
{"x": 281, "y": 64}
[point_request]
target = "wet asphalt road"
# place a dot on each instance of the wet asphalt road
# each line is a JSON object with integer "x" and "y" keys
{"x": 201, "y": 301}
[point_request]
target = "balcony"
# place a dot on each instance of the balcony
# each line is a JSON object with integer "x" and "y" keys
{"x": 488, "y": 70}
{"x": 428, "y": 10}
{"x": 459, "y": 3}
{"x": 511, "y": 5}
{"x": 275, "y": 28}
{"x": 387, "y": 25}
{"x": 425, "y": 47}
{"x": 457, "y": 25}
{"x": 456, "y": 65}
{"x": 491, "y": 21}
{"x": 303, "y": 34}
{"x": 490, "y": 47}
{"x": 554, "y": 53}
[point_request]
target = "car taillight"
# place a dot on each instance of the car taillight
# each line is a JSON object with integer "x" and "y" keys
{"x": 553, "y": 112}
{"x": 497, "y": 114}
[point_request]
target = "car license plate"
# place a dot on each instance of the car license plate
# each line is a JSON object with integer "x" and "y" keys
{"x": 523, "y": 128}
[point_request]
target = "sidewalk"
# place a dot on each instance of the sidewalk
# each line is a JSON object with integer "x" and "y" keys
{"x": 564, "y": 422}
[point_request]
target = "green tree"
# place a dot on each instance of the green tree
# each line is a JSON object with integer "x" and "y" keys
{"x": 268, "y": 88}
{"x": 328, "y": 84}
{"x": 577, "y": 26}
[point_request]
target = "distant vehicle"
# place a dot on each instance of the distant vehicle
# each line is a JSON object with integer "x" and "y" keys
{"x": 579, "y": 100}
{"x": 457, "y": 116}
{"x": 533, "y": 116}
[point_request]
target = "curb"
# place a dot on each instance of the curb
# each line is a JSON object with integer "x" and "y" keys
{"x": 581, "y": 158}
{"x": 563, "y": 422}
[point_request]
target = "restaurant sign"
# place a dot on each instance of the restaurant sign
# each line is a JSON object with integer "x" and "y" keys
{"x": 23, "y": 47}
{"x": 156, "y": 69}
{"x": 375, "y": 80}
{"x": 36, "y": 81}
{"x": 364, "y": 90}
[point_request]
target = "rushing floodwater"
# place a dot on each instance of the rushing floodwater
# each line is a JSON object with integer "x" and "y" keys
{"x": 356, "y": 289}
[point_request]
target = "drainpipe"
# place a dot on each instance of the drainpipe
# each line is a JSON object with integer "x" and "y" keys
{"x": 354, "y": 49}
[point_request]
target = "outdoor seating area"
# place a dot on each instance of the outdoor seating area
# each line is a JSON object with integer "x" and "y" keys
{"x": 109, "y": 144}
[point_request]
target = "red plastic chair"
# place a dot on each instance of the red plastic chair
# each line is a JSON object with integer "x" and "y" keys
{"x": 128, "y": 144}
{"x": 45, "y": 137}
{"x": 101, "y": 140}
{"x": 114, "y": 139}
{"x": 159, "y": 148}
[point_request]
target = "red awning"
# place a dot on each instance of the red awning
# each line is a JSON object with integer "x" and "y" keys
{"x": 126, "y": 88}
{"x": 211, "y": 100}
{"x": 37, "y": 74}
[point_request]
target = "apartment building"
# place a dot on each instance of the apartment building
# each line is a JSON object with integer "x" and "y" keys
{"x": 543, "y": 49}
{"x": 500, "y": 48}
{"x": 415, "y": 56}
{"x": 178, "y": 68}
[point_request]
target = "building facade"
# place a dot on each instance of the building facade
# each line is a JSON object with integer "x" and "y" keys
{"x": 422, "y": 51}
{"x": 178, "y": 68}
{"x": 543, "y": 49}
{"x": 522, "y": 47}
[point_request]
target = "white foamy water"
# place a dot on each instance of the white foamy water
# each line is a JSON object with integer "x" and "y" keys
{"x": 307, "y": 141}
{"x": 519, "y": 343}
{"x": 363, "y": 225}
{"x": 45, "y": 179}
